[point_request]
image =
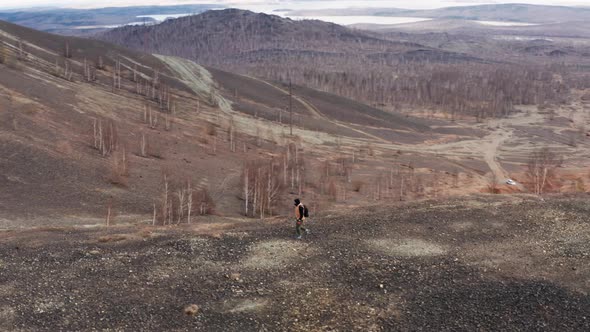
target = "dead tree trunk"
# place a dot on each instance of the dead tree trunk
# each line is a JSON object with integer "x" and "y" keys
{"x": 290, "y": 109}
{"x": 180, "y": 194}
{"x": 165, "y": 207}
{"x": 246, "y": 190}
{"x": 189, "y": 202}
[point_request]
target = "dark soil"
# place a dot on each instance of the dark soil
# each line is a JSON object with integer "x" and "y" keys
{"x": 484, "y": 263}
{"x": 342, "y": 109}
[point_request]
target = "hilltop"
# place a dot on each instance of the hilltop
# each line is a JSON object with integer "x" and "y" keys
{"x": 232, "y": 36}
{"x": 484, "y": 262}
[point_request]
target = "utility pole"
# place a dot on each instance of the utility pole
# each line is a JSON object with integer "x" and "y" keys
{"x": 290, "y": 108}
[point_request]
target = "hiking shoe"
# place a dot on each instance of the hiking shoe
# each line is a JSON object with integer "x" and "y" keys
{"x": 298, "y": 237}
{"x": 307, "y": 231}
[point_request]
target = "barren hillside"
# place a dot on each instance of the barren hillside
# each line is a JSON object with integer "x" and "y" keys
{"x": 128, "y": 133}
{"x": 101, "y": 129}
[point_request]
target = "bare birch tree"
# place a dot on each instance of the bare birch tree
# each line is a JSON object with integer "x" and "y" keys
{"x": 541, "y": 165}
{"x": 180, "y": 194}
{"x": 189, "y": 200}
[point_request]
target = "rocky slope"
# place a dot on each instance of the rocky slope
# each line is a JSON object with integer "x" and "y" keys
{"x": 487, "y": 262}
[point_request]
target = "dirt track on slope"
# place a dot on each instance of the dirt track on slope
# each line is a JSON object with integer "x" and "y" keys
{"x": 317, "y": 113}
{"x": 197, "y": 78}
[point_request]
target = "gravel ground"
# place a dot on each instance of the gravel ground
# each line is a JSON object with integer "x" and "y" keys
{"x": 476, "y": 264}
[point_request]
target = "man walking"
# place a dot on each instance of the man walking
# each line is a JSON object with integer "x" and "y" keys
{"x": 301, "y": 213}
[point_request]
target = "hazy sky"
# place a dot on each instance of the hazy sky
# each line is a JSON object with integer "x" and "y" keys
{"x": 253, "y": 4}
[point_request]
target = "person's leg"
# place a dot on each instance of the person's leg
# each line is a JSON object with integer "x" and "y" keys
{"x": 305, "y": 229}
{"x": 298, "y": 228}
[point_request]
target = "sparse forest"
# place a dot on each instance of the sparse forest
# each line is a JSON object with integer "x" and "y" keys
{"x": 355, "y": 64}
{"x": 353, "y": 163}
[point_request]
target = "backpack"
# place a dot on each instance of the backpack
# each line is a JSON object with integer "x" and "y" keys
{"x": 305, "y": 212}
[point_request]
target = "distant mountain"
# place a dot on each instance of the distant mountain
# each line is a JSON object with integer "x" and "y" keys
{"x": 509, "y": 12}
{"x": 462, "y": 27}
{"x": 84, "y": 21}
{"x": 499, "y": 12}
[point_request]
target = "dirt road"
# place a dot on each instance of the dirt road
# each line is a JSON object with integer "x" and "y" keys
{"x": 490, "y": 147}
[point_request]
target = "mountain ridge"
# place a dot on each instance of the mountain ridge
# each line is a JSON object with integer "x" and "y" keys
{"x": 511, "y": 12}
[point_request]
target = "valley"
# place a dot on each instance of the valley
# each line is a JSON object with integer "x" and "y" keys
{"x": 353, "y": 153}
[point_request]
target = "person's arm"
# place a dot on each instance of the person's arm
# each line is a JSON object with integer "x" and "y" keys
{"x": 300, "y": 211}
